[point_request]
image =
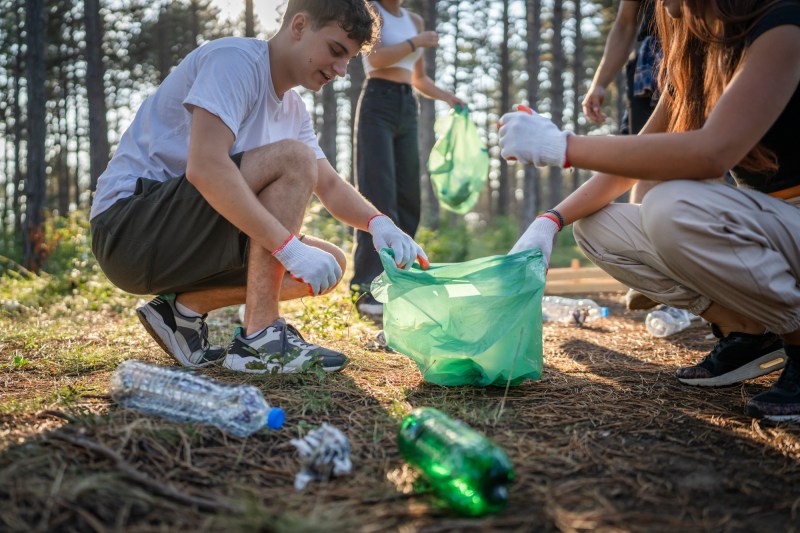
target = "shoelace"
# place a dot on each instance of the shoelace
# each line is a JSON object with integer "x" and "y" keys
{"x": 203, "y": 333}
{"x": 285, "y": 338}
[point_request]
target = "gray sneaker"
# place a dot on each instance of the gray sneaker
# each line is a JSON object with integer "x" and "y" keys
{"x": 279, "y": 348}
{"x": 185, "y": 339}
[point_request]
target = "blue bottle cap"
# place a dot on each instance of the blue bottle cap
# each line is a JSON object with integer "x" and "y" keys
{"x": 275, "y": 418}
{"x": 604, "y": 312}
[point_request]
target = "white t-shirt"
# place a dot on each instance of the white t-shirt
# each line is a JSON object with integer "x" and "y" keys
{"x": 229, "y": 78}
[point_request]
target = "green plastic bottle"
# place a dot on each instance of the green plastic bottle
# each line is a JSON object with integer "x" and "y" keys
{"x": 467, "y": 470}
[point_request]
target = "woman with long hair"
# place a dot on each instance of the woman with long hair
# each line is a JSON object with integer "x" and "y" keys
{"x": 730, "y": 82}
{"x": 386, "y": 150}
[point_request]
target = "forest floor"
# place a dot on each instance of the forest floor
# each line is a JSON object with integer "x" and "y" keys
{"x": 606, "y": 440}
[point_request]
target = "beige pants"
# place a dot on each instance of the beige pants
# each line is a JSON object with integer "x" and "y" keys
{"x": 691, "y": 243}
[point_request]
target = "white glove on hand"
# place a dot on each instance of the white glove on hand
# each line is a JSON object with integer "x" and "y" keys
{"x": 316, "y": 268}
{"x": 386, "y": 235}
{"x": 532, "y": 139}
{"x": 540, "y": 234}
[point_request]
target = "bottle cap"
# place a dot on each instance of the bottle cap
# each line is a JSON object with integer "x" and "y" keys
{"x": 604, "y": 312}
{"x": 275, "y": 418}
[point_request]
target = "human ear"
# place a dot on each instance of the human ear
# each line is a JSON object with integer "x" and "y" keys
{"x": 299, "y": 24}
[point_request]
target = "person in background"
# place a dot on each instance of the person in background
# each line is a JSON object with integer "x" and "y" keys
{"x": 635, "y": 22}
{"x": 386, "y": 148}
{"x": 204, "y": 198}
{"x": 729, "y": 254}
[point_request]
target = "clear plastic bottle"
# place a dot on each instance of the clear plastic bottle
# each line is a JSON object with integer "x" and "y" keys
{"x": 666, "y": 321}
{"x": 467, "y": 470}
{"x": 185, "y": 396}
{"x": 571, "y": 311}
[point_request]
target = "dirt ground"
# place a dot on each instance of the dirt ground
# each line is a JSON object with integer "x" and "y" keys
{"x": 607, "y": 440}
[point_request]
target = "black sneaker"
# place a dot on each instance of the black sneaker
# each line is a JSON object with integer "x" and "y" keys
{"x": 781, "y": 403}
{"x": 735, "y": 358}
{"x": 185, "y": 339}
{"x": 280, "y": 346}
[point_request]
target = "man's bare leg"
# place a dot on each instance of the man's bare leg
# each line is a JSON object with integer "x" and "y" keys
{"x": 206, "y": 300}
{"x": 283, "y": 176}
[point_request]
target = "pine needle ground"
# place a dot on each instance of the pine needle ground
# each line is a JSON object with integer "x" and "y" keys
{"x": 607, "y": 440}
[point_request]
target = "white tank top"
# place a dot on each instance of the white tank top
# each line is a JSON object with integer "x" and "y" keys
{"x": 393, "y": 31}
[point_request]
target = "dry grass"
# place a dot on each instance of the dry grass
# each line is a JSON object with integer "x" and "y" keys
{"x": 606, "y": 440}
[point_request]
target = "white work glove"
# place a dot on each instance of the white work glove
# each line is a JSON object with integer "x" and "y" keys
{"x": 540, "y": 234}
{"x": 532, "y": 139}
{"x": 386, "y": 235}
{"x": 316, "y": 268}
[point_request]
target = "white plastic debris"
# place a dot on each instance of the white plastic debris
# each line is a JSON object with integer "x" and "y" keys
{"x": 324, "y": 453}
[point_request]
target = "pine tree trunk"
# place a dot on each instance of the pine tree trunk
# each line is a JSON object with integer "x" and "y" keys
{"x": 557, "y": 94}
{"x": 249, "y": 19}
{"x": 505, "y": 183}
{"x": 95, "y": 93}
{"x": 532, "y": 188}
{"x": 426, "y": 119}
{"x": 578, "y": 92}
{"x": 355, "y": 70}
{"x": 35, "y": 182}
{"x": 327, "y": 135}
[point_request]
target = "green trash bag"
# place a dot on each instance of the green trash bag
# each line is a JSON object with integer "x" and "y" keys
{"x": 459, "y": 161}
{"x": 473, "y": 323}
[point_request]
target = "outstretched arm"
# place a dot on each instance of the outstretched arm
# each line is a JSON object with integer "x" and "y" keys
{"x": 348, "y": 206}
{"x": 618, "y": 46}
{"x": 420, "y": 79}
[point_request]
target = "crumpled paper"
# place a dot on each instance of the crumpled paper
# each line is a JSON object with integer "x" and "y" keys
{"x": 324, "y": 453}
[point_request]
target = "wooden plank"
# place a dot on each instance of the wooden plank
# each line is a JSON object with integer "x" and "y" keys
{"x": 576, "y": 273}
{"x": 583, "y": 286}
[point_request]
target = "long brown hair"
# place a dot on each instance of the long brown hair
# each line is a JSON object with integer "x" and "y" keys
{"x": 701, "y": 57}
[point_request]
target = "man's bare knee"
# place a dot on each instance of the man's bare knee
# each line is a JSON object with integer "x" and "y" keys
{"x": 332, "y": 249}
{"x": 289, "y": 160}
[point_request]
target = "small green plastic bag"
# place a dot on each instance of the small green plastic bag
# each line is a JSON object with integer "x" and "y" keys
{"x": 459, "y": 161}
{"x": 472, "y": 323}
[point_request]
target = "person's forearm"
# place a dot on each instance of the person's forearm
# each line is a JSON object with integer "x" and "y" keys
{"x": 426, "y": 87}
{"x": 657, "y": 156}
{"x": 387, "y": 56}
{"x": 618, "y": 44}
{"x": 597, "y": 192}
{"x": 342, "y": 200}
{"x": 223, "y": 187}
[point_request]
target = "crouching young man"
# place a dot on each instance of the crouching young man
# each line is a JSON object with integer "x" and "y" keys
{"x": 204, "y": 198}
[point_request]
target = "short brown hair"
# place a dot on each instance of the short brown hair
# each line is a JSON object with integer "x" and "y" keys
{"x": 357, "y": 17}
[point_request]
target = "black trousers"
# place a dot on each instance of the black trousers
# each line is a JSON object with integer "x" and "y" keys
{"x": 387, "y": 166}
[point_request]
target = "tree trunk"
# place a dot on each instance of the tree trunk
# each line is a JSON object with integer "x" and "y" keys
{"x": 355, "y": 71}
{"x": 505, "y": 183}
{"x": 426, "y": 119}
{"x": 327, "y": 135}
{"x": 532, "y": 188}
{"x": 18, "y": 182}
{"x": 62, "y": 133}
{"x": 33, "y": 251}
{"x": 95, "y": 93}
{"x": 578, "y": 84}
{"x": 557, "y": 93}
{"x": 249, "y": 22}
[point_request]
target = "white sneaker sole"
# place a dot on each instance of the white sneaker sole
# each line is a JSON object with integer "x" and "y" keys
{"x": 239, "y": 364}
{"x": 765, "y": 364}
{"x": 165, "y": 337}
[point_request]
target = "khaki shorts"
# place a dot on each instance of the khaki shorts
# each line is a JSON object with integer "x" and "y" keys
{"x": 167, "y": 239}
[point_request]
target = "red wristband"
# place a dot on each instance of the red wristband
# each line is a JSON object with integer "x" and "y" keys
{"x": 373, "y": 217}
{"x": 282, "y": 246}
{"x": 551, "y": 217}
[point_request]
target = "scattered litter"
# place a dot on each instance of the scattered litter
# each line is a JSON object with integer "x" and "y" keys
{"x": 324, "y": 453}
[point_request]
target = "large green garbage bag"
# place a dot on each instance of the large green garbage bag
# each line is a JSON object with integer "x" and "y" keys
{"x": 472, "y": 323}
{"x": 459, "y": 161}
